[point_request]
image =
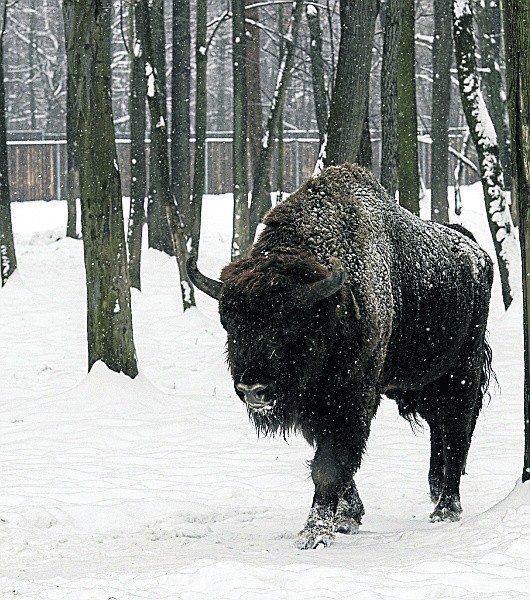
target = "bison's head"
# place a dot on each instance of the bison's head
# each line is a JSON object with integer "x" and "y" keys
{"x": 279, "y": 328}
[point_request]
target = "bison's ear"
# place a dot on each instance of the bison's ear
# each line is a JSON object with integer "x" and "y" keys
{"x": 313, "y": 292}
{"x": 205, "y": 284}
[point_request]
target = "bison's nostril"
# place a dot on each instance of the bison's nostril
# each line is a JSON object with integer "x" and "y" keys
{"x": 254, "y": 394}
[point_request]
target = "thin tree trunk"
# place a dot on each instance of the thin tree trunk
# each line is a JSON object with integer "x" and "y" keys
{"x": 459, "y": 172}
{"x": 390, "y": 16}
{"x": 348, "y": 101}
{"x": 261, "y": 200}
{"x": 240, "y": 236}
{"x": 317, "y": 68}
{"x": 517, "y": 26}
{"x": 442, "y": 54}
{"x": 201, "y": 105}
{"x": 31, "y": 66}
{"x": 109, "y": 322}
{"x": 8, "y": 260}
{"x": 408, "y": 173}
{"x": 485, "y": 141}
{"x": 159, "y": 235}
{"x": 72, "y": 171}
{"x": 280, "y": 148}
{"x": 255, "y": 107}
{"x": 138, "y": 130}
{"x": 180, "y": 122}
{"x": 156, "y": 100}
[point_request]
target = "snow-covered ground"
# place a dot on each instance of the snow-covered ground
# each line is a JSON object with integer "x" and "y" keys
{"x": 158, "y": 488}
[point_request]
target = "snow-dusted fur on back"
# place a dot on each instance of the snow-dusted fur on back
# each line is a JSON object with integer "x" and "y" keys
{"x": 409, "y": 322}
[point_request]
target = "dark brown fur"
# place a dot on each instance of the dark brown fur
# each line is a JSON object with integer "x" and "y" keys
{"x": 409, "y": 323}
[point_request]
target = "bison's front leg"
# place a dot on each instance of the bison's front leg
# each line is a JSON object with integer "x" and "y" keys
{"x": 332, "y": 471}
{"x": 350, "y": 510}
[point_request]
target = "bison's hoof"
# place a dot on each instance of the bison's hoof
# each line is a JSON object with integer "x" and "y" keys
{"x": 310, "y": 540}
{"x": 348, "y": 517}
{"x": 348, "y": 526}
{"x": 319, "y": 529}
{"x": 448, "y": 509}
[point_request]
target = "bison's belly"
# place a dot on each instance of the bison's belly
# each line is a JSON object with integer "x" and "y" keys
{"x": 411, "y": 365}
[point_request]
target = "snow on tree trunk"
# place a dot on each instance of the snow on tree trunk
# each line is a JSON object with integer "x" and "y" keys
{"x": 109, "y": 321}
{"x": 517, "y": 26}
{"x": 485, "y": 141}
{"x": 491, "y": 49}
{"x": 261, "y": 201}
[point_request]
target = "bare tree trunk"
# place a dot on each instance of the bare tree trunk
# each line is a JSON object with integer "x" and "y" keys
{"x": 159, "y": 235}
{"x": 348, "y": 101}
{"x": 317, "y": 68}
{"x": 240, "y": 235}
{"x": 72, "y": 173}
{"x": 458, "y": 173}
{"x": 8, "y": 260}
{"x": 485, "y": 140}
{"x": 442, "y": 54}
{"x": 156, "y": 100}
{"x": 255, "y": 107}
{"x": 109, "y": 321}
{"x": 180, "y": 123}
{"x": 390, "y": 17}
{"x": 408, "y": 174}
{"x": 280, "y": 144}
{"x": 138, "y": 130}
{"x": 261, "y": 201}
{"x": 201, "y": 104}
{"x": 517, "y": 21}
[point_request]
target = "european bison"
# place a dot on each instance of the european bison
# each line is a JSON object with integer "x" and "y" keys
{"x": 346, "y": 296}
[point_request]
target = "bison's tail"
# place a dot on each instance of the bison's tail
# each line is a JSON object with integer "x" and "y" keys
{"x": 487, "y": 373}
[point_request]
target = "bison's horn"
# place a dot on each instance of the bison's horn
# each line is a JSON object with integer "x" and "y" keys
{"x": 205, "y": 284}
{"x": 313, "y": 292}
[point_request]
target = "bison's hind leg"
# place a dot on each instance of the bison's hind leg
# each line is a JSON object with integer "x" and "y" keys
{"x": 350, "y": 510}
{"x": 450, "y": 406}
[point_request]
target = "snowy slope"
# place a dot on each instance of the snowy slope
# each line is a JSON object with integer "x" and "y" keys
{"x": 159, "y": 489}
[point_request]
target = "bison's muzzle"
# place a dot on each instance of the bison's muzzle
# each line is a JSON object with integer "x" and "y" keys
{"x": 255, "y": 395}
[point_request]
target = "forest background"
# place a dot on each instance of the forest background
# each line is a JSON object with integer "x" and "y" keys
{"x": 356, "y": 76}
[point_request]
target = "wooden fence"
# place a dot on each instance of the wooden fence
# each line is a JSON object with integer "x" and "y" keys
{"x": 37, "y": 169}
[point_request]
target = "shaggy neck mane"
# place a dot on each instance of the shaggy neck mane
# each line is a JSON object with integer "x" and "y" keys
{"x": 261, "y": 274}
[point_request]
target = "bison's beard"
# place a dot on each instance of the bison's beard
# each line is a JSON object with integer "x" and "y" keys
{"x": 284, "y": 417}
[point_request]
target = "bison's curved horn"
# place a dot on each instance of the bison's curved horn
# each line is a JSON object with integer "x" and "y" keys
{"x": 313, "y": 292}
{"x": 209, "y": 286}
